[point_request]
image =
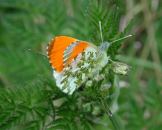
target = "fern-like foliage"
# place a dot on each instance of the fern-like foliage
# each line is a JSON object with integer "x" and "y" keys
{"x": 24, "y": 107}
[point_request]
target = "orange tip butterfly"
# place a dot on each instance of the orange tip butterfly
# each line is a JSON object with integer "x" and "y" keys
{"x": 74, "y": 61}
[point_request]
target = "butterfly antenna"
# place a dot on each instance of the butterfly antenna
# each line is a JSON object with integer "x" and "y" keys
{"x": 121, "y": 39}
{"x": 100, "y": 27}
{"x": 30, "y": 50}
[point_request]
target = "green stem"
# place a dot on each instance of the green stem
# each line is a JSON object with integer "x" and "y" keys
{"x": 111, "y": 116}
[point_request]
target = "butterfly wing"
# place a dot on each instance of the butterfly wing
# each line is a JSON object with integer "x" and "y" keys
{"x": 64, "y": 54}
{"x": 55, "y": 51}
{"x": 62, "y": 50}
{"x": 77, "y": 72}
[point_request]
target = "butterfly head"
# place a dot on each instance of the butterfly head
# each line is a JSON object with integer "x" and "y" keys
{"x": 104, "y": 46}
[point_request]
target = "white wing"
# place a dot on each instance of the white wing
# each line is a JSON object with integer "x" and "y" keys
{"x": 77, "y": 72}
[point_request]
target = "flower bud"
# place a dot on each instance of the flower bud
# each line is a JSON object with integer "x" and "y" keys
{"x": 120, "y": 68}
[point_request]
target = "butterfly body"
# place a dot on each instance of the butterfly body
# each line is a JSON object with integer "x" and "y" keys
{"x": 73, "y": 61}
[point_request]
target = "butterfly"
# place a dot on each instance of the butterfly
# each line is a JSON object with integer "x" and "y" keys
{"x": 73, "y": 61}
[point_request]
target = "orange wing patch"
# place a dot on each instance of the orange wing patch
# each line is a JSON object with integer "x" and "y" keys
{"x": 77, "y": 50}
{"x": 57, "y": 48}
